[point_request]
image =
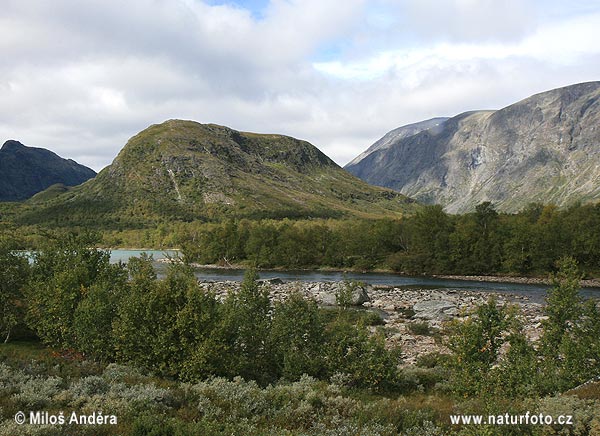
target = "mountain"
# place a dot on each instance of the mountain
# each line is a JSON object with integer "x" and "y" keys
{"x": 545, "y": 148}
{"x": 396, "y": 135}
{"x": 184, "y": 170}
{"x": 25, "y": 171}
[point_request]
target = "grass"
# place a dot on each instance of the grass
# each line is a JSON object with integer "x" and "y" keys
{"x": 352, "y": 315}
{"x": 20, "y": 351}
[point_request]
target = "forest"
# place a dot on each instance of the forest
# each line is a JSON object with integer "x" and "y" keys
{"x": 428, "y": 242}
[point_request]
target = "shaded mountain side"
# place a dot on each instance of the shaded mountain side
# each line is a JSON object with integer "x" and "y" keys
{"x": 394, "y": 136}
{"x": 545, "y": 148}
{"x": 25, "y": 171}
{"x": 183, "y": 170}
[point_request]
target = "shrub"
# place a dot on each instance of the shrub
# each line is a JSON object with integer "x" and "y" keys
{"x": 420, "y": 328}
{"x": 14, "y": 273}
{"x": 37, "y": 393}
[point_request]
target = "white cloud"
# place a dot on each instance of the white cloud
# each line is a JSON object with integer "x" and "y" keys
{"x": 82, "y": 77}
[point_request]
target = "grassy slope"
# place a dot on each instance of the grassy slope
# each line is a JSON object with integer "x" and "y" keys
{"x": 183, "y": 171}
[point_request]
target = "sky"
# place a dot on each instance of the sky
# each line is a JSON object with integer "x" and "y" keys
{"x": 81, "y": 77}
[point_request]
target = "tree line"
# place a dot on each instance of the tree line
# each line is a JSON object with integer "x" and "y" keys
{"x": 429, "y": 242}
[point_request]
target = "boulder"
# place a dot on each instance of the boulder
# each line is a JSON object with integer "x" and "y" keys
{"x": 272, "y": 281}
{"x": 435, "y": 309}
{"x": 328, "y": 294}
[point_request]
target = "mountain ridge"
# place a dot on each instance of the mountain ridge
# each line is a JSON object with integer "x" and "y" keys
{"x": 544, "y": 148}
{"x": 26, "y": 171}
{"x": 182, "y": 170}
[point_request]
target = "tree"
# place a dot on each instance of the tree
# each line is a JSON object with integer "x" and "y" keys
{"x": 563, "y": 305}
{"x": 430, "y": 244}
{"x": 361, "y": 358}
{"x": 134, "y": 328}
{"x": 14, "y": 272}
{"x": 96, "y": 312}
{"x": 475, "y": 344}
{"x": 61, "y": 275}
{"x": 243, "y": 332}
{"x": 297, "y": 338}
{"x": 570, "y": 342}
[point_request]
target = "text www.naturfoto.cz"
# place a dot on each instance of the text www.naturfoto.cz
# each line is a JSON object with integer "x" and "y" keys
{"x": 508, "y": 419}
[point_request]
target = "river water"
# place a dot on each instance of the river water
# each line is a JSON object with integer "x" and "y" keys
{"x": 534, "y": 292}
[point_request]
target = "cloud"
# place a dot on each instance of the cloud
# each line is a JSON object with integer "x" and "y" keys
{"x": 82, "y": 77}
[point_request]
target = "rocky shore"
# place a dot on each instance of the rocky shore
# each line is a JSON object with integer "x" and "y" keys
{"x": 401, "y": 309}
{"x": 588, "y": 283}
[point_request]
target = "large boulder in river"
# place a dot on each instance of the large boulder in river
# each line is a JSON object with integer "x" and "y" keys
{"x": 435, "y": 309}
{"x": 328, "y": 292}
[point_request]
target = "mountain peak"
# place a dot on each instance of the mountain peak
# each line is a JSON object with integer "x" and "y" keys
{"x": 183, "y": 171}
{"x": 25, "y": 171}
{"x": 12, "y": 144}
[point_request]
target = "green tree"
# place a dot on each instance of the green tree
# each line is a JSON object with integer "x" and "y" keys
{"x": 475, "y": 344}
{"x": 134, "y": 328}
{"x": 14, "y": 273}
{"x": 62, "y": 273}
{"x": 243, "y": 332}
{"x": 147, "y": 331}
{"x": 563, "y": 305}
{"x": 96, "y": 312}
{"x": 196, "y": 325}
{"x": 429, "y": 250}
{"x": 570, "y": 342}
{"x": 360, "y": 357}
{"x": 297, "y": 338}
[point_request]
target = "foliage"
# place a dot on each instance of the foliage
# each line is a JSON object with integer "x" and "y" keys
{"x": 475, "y": 343}
{"x": 297, "y": 337}
{"x": 61, "y": 276}
{"x": 571, "y": 341}
{"x": 420, "y": 328}
{"x": 14, "y": 274}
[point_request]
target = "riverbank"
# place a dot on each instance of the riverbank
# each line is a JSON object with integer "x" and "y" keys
{"x": 354, "y": 275}
{"x": 586, "y": 283}
{"x": 412, "y": 319}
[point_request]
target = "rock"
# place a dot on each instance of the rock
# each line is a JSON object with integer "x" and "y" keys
{"x": 273, "y": 281}
{"x": 329, "y": 296}
{"x": 434, "y": 309}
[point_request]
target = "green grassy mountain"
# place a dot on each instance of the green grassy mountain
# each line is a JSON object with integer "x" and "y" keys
{"x": 184, "y": 170}
{"x": 25, "y": 171}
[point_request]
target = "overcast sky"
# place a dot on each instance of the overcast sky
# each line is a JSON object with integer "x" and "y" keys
{"x": 81, "y": 77}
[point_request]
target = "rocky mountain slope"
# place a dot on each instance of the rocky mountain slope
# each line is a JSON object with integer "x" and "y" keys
{"x": 545, "y": 148}
{"x": 391, "y": 137}
{"x": 183, "y": 170}
{"x": 25, "y": 171}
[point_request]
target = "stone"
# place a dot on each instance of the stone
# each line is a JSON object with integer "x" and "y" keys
{"x": 434, "y": 309}
{"x": 328, "y": 294}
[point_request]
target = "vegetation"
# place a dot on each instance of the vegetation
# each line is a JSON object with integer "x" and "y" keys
{"x": 243, "y": 364}
{"x": 429, "y": 242}
{"x": 73, "y": 298}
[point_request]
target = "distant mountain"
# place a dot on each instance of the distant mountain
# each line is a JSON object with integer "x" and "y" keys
{"x": 543, "y": 149}
{"x": 25, "y": 171}
{"x": 396, "y": 135}
{"x": 183, "y": 170}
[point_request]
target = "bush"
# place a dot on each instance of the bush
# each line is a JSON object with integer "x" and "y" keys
{"x": 362, "y": 357}
{"x": 420, "y": 328}
{"x": 14, "y": 273}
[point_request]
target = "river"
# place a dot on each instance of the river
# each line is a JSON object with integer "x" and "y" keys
{"x": 535, "y": 292}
